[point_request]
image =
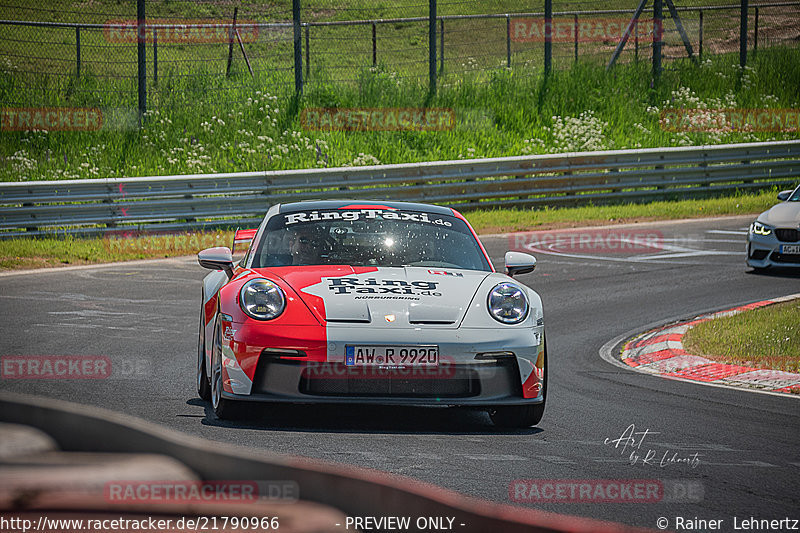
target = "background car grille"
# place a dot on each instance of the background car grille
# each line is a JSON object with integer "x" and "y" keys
{"x": 785, "y": 258}
{"x": 787, "y": 235}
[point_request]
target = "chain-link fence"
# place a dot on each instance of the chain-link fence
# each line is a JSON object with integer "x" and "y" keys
{"x": 89, "y": 53}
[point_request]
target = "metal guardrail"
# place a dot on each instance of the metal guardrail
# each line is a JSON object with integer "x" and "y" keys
{"x": 170, "y": 203}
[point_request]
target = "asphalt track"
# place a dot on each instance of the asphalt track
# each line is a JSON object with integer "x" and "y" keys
{"x": 143, "y": 316}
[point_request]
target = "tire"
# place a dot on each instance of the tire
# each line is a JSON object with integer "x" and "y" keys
{"x": 521, "y": 416}
{"x": 203, "y": 383}
{"x": 224, "y": 409}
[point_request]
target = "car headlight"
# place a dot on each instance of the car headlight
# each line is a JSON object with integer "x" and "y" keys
{"x": 508, "y": 303}
{"x": 760, "y": 229}
{"x": 262, "y": 299}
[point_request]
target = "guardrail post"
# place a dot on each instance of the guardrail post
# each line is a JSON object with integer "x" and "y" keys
{"x": 298, "y": 48}
{"x": 658, "y": 24}
{"x": 700, "y": 51}
{"x": 374, "y": 44}
{"x": 432, "y": 45}
{"x": 141, "y": 34}
{"x": 548, "y": 36}
{"x": 78, "y": 49}
{"x": 742, "y": 34}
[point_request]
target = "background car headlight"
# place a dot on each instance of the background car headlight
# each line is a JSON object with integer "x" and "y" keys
{"x": 508, "y": 303}
{"x": 760, "y": 229}
{"x": 262, "y": 299}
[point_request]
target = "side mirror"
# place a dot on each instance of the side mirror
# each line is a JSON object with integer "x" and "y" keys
{"x": 784, "y": 195}
{"x": 519, "y": 263}
{"x": 218, "y": 258}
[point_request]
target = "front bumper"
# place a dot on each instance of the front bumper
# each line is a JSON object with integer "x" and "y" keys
{"x": 764, "y": 251}
{"x": 478, "y": 367}
{"x": 483, "y": 383}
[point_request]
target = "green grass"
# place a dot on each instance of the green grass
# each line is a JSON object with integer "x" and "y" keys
{"x": 48, "y": 252}
{"x": 762, "y": 338}
{"x": 213, "y": 124}
{"x": 51, "y": 252}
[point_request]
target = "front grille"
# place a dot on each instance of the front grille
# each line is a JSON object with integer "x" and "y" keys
{"x": 787, "y": 235}
{"x": 785, "y": 258}
{"x": 390, "y": 383}
{"x": 759, "y": 255}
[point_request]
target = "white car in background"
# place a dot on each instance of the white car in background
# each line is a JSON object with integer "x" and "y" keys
{"x": 774, "y": 237}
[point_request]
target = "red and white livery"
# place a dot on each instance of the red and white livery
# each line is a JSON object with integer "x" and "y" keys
{"x": 381, "y": 303}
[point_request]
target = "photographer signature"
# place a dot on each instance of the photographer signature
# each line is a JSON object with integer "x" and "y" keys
{"x": 631, "y": 443}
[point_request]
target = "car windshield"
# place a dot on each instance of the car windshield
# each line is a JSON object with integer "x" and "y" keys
{"x": 796, "y": 196}
{"x": 369, "y": 237}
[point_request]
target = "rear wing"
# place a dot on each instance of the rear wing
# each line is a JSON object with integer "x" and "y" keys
{"x": 243, "y": 236}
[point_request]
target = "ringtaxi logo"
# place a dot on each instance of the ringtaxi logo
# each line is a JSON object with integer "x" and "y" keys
{"x": 563, "y": 30}
{"x": 55, "y": 367}
{"x": 588, "y": 241}
{"x": 378, "y": 119}
{"x": 730, "y": 120}
{"x": 179, "y": 31}
{"x": 353, "y": 215}
{"x": 51, "y": 118}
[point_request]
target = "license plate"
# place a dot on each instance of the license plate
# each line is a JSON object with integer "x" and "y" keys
{"x": 371, "y": 355}
{"x": 790, "y": 249}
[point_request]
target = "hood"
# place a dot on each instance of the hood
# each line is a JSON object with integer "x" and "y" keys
{"x": 783, "y": 215}
{"x": 404, "y": 296}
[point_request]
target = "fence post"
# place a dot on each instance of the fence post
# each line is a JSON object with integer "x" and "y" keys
{"x": 298, "y": 48}
{"x": 155, "y": 57}
{"x": 575, "y": 21}
{"x": 658, "y": 23}
{"x": 508, "y": 41}
{"x": 78, "y": 48}
{"x": 374, "y": 44}
{"x": 141, "y": 34}
{"x": 432, "y": 45}
{"x": 441, "y": 40}
{"x": 230, "y": 42}
{"x": 743, "y": 35}
{"x": 548, "y": 35}
{"x": 636, "y": 41}
{"x": 700, "y": 52}
{"x": 308, "y": 52}
{"x": 755, "y": 33}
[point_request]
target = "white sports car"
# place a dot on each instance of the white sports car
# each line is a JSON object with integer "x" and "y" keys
{"x": 382, "y": 303}
{"x": 774, "y": 237}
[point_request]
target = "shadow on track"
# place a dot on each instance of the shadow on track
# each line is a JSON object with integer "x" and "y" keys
{"x": 776, "y": 272}
{"x": 360, "y": 419}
